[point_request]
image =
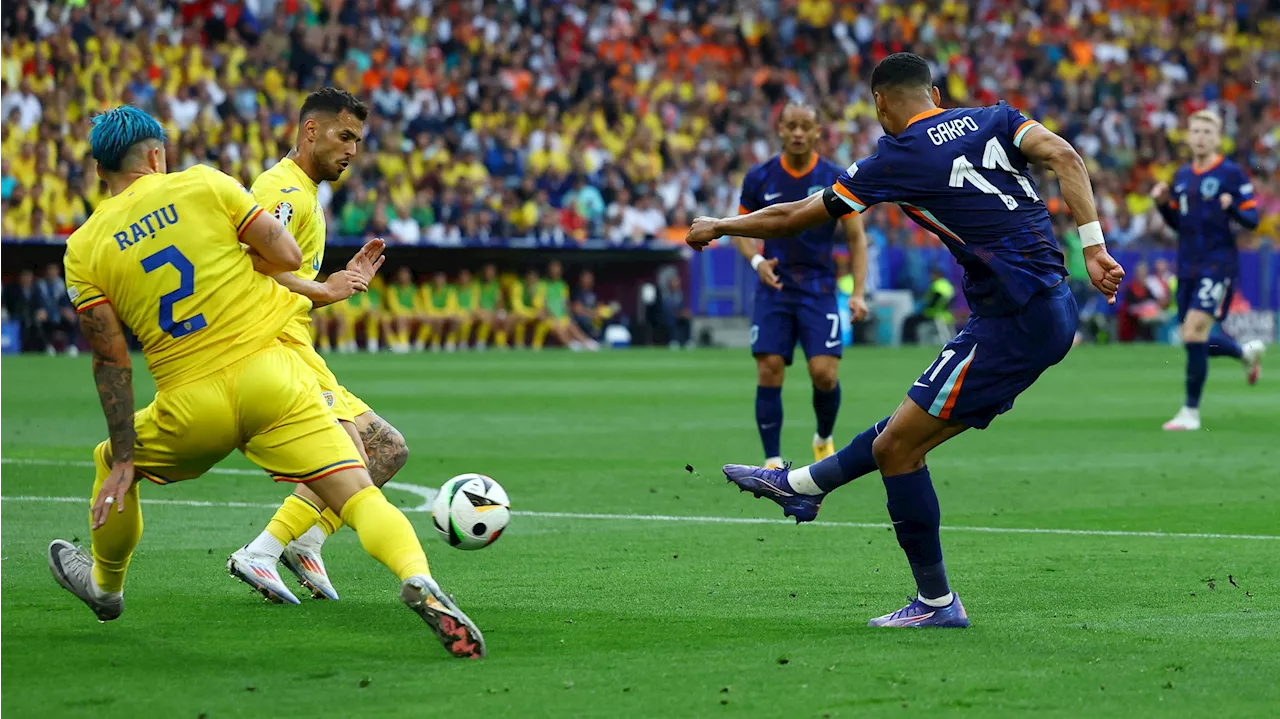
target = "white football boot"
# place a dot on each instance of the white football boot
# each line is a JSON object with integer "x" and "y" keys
{"x": 455, "y": 630}
{"x": 303, "y": 559}
{"x": 259, "y": 572}
{"x": 1251, "y": 356}
{"x": 1186, "y": 420}
{"x": 72, "y": 567}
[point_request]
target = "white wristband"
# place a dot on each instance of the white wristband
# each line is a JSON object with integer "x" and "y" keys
{"x": 756, "y": 261}
{"x": 1091, "y": 234}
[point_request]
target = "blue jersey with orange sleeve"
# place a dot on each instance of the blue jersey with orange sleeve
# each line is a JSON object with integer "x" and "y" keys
{"x": 804, "y": 261}
{"x": 960, "y": 174}
{"x": 1206, "y": 240}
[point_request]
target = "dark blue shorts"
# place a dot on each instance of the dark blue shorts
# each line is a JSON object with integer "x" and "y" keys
{"x": 783, "y": 318}
{"x": 993, "y": 359}
{"x": 1207, "y": 294}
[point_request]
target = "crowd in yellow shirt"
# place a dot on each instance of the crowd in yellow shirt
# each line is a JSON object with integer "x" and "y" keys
{"x": 595, "y": 121}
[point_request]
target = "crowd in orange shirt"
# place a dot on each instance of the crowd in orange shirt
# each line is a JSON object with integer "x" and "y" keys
{"x": 562, "y": 121}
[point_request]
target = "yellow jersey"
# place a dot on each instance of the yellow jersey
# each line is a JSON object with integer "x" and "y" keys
{"x": 293, "y": 197}
{"x": 166, "y": 253}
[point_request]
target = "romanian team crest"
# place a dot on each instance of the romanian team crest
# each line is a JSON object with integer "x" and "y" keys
{"x": 328, "y": 397}
{"x": 283, "y": 212}
{"x": 1209, "y": 187}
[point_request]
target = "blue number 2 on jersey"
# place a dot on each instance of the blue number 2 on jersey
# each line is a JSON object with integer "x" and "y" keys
{"x": 186, "y": 287}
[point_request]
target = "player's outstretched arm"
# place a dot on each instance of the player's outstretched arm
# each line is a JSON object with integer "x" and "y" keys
{"x": 276, "y": 249}
{"x": 341, "y": 284}
{"x": 784, "y": 220}
{"x": 1044, "y": 147}
{"x": 113, "y": 374}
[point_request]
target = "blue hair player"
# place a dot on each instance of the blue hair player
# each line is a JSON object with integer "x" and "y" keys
{"x": 797, "y": 299}
{"x": 962, "y": 174}
{"x": 1208, "y": 194}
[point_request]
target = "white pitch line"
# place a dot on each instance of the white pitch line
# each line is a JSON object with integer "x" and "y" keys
{"x": 428, "y": 494}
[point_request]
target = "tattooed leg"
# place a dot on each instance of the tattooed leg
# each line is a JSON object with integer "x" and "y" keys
{"x": 383, "y": 446}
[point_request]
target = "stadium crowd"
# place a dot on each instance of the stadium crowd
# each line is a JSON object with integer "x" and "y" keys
{"x": 559, "y": 121}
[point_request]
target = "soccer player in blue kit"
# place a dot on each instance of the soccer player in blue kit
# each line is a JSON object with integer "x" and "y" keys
{"x": 963, "y": 175}
{"x": 1208, "y": 194}
{"x": 797, "y": 300}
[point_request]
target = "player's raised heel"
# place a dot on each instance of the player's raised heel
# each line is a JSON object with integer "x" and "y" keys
{"x": 259, "y": 572}
{"x": 1251, "y": 355}
{"x": 72, "y": 567}
{"x": 459, "y": 635}
{"x": 305, "y": 563}
{"x": 772, "y": 484}
{"x": 919, "y": 614}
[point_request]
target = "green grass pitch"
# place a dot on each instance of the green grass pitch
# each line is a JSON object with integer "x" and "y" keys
{"x": 649, "y": 616}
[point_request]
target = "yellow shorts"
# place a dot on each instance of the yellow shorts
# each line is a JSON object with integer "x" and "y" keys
{"x": 267, "y": 405}
{"x": 345, "y": 406}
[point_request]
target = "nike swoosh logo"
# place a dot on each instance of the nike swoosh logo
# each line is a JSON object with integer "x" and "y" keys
{"x": 771, "y": 198}
{"x": 833, "y": 343}
{"x": 917, "y": 384}
{"x": 768, "y": 426}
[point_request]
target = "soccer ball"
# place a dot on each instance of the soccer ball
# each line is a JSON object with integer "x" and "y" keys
{"x": 471, "y": 511}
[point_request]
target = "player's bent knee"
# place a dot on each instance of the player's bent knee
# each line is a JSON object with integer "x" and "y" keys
{"x": 825, "y": 378}
{"x": 335, "y": 489}
{"x": 770, "y": 370}
{"x": 397, "y": 454}
{"x": 894, "y": 455}
{"x": 1196, "y": 327}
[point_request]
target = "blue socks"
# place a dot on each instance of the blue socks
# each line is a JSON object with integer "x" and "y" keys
{"x": 1222, "y": 345}
{"x": 1197, "y": 371}
{"x": 913, "y": 507}
{"x": 769, "y": 419}
{"x": 825, "y": 407}
{"x": 849, "y": 463}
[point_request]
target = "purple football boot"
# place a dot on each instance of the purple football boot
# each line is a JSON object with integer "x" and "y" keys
{"x": 919, "y": 614}
{"x": 772, "y": 484}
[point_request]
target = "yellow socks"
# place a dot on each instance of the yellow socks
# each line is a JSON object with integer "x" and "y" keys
{"x": 292, "y": 519}
{"x": 114, "y": 542}
{"x": 483, "y": 329}
{"x": 385, "y": 533}
{"x": 330, "y": 522}
{"x": 540, "y": 334}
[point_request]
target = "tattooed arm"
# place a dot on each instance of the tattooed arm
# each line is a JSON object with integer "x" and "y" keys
{"x": 113, "y": 374}
{"x": 271, "y": 246}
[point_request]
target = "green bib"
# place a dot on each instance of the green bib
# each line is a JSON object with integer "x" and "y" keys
{"x": 440, "y": 296}
{"x": 467, "y": 297}
{"x": 556, "y": 296}
{"x": 489, "y": 293}
{"x": 404, "y": 295}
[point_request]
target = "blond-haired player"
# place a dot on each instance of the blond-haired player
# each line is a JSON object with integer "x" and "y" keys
{"x": 162, "y": 256}
{"x": 1209, "y": 194}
